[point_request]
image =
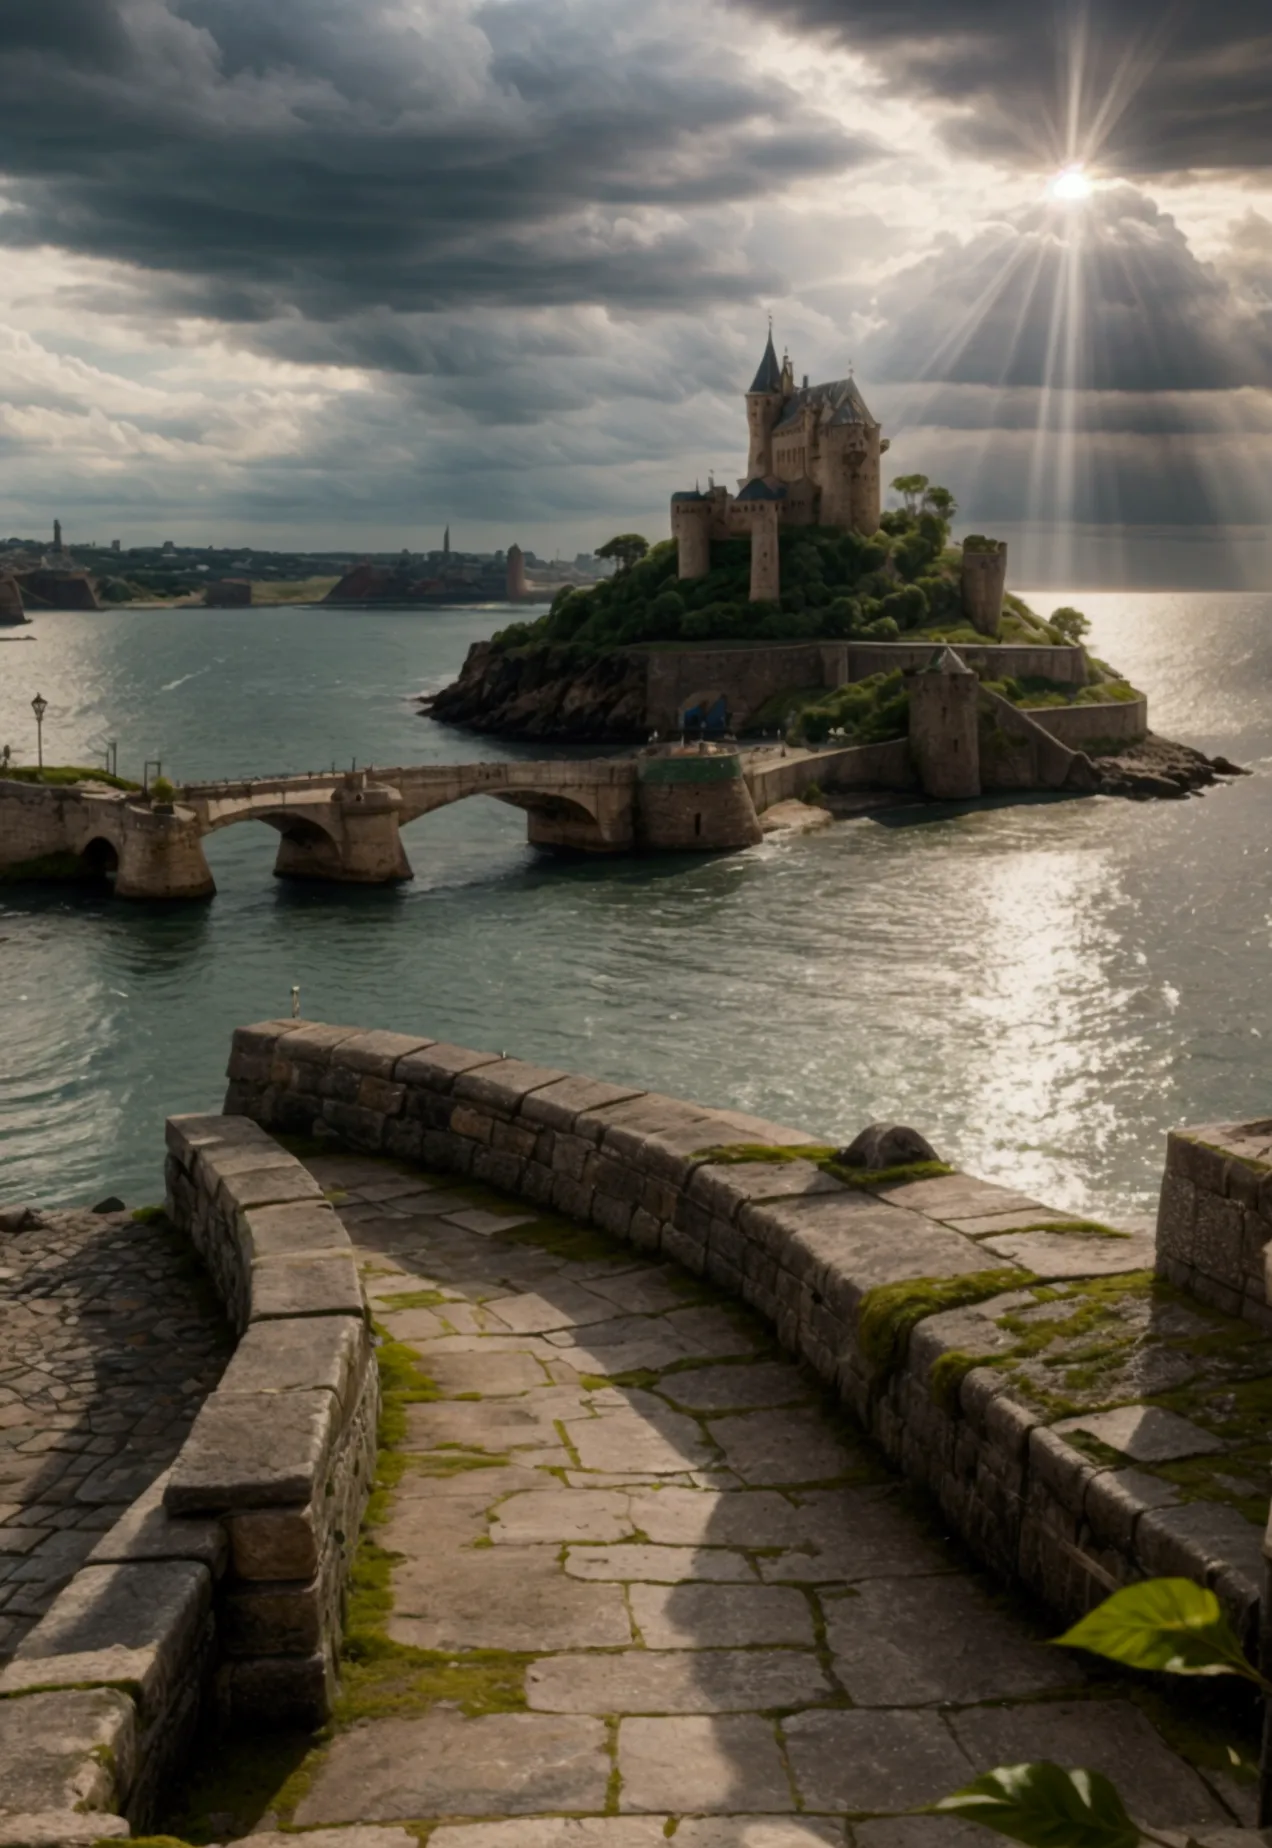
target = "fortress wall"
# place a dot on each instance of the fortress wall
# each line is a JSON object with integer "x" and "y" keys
{"x": 1121, "y": 721}
{"x": 807, "y": 1253}
{"x": 225, "y": 1581}
{"x": 32, "y": 823}
{"x": 995, "y": 661}
{"x": 859, "y": 766}
{"x": 748, "y": 676}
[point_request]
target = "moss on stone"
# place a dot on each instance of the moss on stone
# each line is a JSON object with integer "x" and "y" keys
{"x": 562, "y": 1239}
{"x": 44, "y": 866}
{"x": 945, "y": 1381}
{"x": 886, "y": 1177}
{"x": 148, "y": 1215}
{"x": 890, "y": 1312}
{"x": 738, "y": 1154}
{"x": 411, "y": 1299}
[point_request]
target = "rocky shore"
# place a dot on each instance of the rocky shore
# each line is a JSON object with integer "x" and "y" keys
{"x": 1158, "y": 768}
{"x": 547, "y": 694}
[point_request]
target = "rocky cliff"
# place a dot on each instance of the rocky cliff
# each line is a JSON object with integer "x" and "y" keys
{"x": 549, "y": 693}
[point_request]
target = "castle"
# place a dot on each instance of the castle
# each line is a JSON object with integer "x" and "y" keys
{"x": 815, "y": 459}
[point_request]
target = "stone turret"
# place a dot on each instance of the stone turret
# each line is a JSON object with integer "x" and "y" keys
{"x": 691, "y": 529}
{"x": 984, "y": 583}
{"x": 763, "y": 407}
{"x": 944, "y": 728}
{"x": 758, "y": 506}
{"x": 516, "y": 574}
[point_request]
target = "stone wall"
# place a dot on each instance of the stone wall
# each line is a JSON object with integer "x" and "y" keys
{"x": 1120, "y": 722}
{"x": 858, "y": 766}
{"x": 807, "y": 1253}
{"x": 1214, "y": 1224}
{"x": 225, "y": 1580}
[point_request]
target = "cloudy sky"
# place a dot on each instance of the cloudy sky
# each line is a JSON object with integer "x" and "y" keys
{"x": 335, "y": 272}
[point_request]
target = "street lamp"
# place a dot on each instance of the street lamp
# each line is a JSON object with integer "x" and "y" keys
{"x": 39, "y": 706}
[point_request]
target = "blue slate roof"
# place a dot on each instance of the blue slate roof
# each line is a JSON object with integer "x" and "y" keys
{"x": 759, "y": 490}
{"x": 838, "y": 402}
{"x": 689, "y": 494}
{"x": 769, "y": 376}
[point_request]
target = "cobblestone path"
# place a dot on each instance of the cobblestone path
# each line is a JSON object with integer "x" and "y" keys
{"x": 109, "y": 1341}
{"x": 643, "y": 1580}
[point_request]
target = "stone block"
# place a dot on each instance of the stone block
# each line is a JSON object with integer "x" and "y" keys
{"x": 1218, "y": 1240}
{"x": 631, "y": 1128}
{"x": 277, "y": 1186}
{"x": 286, "y": 1287}
{"x": 305, "y": 1354}
{"x": 645, "y": 1230}
{"x": 278, "y": 1691}
{"x": 1193, "y": 1155}
{"x": 261, "y": 1037}
{"x": 572, "y": 1197}
{"x": 439, "y": 1065}
{"x": 275, "y": 1543}
{"x": 467, "y": 1120}
{"x": 449, "y": 1153}
{"x": 148, "y": 1531}
{"x": 560, "y": 1103}
{"x": 1176, "y": 1218}
{"x": 1008, "y": 1425}
{"x": 431, "y": 1108}
{"x": 377, "y": 1053}
{"x": 143, "y": 1626}
{"x": 360, "y": 1128}
{"x": 272, "y": 1619}
{"x": 537, "y": 1182}
{"x": 1115, "y": 1500}
{"x": 380, "y": 1097}
{"x": 497, "y": 1169}
{"x": 518, "y": 1139}
{"x": 404, "y": 1138}
{"x": 60, "y": 1829}
{"x": 1063, "y": 1471}
{"x": 1198, "y": 1541}
{"x": 70, "y": 1751}
{"x": 502, "y": 1088}
{"x": 304, "y": 1226}
{"x": 253, "y": 1450}
{"x": 314, "y": 1045}
{"x": 611, "y": 1215}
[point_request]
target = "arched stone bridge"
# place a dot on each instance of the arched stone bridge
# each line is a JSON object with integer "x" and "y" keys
{"x": 346, "y": 826}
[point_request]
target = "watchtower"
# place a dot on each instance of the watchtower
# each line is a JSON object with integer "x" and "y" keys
{"x": 763, "y": 408}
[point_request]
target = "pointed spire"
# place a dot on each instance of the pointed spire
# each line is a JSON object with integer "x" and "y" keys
{"x": 769, "y": 376}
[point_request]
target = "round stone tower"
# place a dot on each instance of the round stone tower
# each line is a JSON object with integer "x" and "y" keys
{"x": 691, "y": 529}
{"x": 694, "y": 801}
{"x": 984, "y": 584}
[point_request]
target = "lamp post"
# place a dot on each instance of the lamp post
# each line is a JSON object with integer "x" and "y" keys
{"x": 39, "y": 706}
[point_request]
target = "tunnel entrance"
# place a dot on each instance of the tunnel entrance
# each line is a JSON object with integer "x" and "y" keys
{"x": 100, "y": 860}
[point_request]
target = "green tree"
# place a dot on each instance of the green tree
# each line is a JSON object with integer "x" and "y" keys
{"x": 940, "y": 502}
{"x": 1070, "y": 624}
{"x": 912, "y": 489}
{"x": 627, "y": 549}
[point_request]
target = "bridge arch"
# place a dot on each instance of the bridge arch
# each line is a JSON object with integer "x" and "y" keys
{"x": 100, "y": 858}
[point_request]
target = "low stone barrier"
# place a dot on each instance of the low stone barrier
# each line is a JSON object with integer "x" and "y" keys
{"x": 225, "y": 1580}
{"x": 773, "y": 779}
{"x": 1214, "y": 1224}
{"x": 1116, "y": 722}
{"x": 835, "y": 1269}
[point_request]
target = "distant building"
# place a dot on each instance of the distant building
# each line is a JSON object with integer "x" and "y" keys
{"x": 516, "y": 574}
{"x": 57, "y": 537}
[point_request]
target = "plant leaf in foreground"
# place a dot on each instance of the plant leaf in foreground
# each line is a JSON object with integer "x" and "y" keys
{"x": 1167, "y": 1624}
{"x": 1045, "y": 1806}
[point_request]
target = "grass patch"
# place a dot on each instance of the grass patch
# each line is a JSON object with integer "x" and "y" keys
{"x": 1073, "y": 1228}
{"x": 148, "y": 1215}
{"x": 889, "y": 1313}
{"x": 64, "y": 776}
{"x": 266, "y": 591}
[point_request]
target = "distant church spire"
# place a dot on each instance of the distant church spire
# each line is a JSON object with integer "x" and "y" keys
{"x": 769, "y": 376}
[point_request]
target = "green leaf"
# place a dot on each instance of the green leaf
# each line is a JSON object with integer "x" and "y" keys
{"x": 1045, "y": 1806}
{"x": 1167, "y": 1624}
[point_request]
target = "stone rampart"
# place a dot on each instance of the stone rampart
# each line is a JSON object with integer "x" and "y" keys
{"x": 1116, "y": 722}
{"x": 824, "y": 1262}
{"x": 1214, "y": 1224}
{"x": 225, "y": 1580}
{"x": 857, "y": 766}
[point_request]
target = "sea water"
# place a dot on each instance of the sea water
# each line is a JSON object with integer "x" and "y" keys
{"x": 1043, "y": 987}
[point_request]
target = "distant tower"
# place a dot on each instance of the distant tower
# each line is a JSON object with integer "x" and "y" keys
{"x": 446, "y": 543}
{"x": 516, "y": 574}
{"x": 57, "y": 535}
{"x": 763, "y": 406}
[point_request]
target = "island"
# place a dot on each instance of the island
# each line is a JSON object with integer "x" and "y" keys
{"x": 798, "y": 606}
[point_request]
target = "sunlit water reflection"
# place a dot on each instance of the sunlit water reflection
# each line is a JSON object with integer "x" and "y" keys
{"x": 1044, "y": 988}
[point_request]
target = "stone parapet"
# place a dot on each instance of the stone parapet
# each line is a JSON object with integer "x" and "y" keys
{"x": 1214, "y": 1223}
{"x": 225, "y": 1581}
{"x": 826, "y": 1263}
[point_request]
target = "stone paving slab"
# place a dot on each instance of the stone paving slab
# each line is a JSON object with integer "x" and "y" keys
{"x": 110, "y": 1340}
{"x": 708, "y": 1612}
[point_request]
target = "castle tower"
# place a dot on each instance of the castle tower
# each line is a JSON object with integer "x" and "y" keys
{"x": 446, "y": 543}
{"x": 763, "y": 406}
{"x": 516, "y": 574}
{"x": 691, "y": 529}
{"x": 984, "y": 584}
{"x": 944, "y": 728}
{"x": 57, "y": 535}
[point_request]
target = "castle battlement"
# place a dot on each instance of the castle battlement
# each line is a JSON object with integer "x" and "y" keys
{"x": 815, "y": 459}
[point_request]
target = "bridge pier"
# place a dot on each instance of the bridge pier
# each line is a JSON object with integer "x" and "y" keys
{"x": 364, "y": 846}
{"x": 160, "y": 855}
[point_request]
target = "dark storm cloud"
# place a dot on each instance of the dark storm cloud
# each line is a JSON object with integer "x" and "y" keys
{"x": 1159, "y": 89}
{"x": 326, "y": 155}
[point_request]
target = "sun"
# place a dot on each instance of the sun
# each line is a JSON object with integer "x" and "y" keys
{"x": 1070, "y": 186}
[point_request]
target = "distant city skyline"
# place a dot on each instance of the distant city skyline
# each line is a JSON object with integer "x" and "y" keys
{"x": 525, "y": 253}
